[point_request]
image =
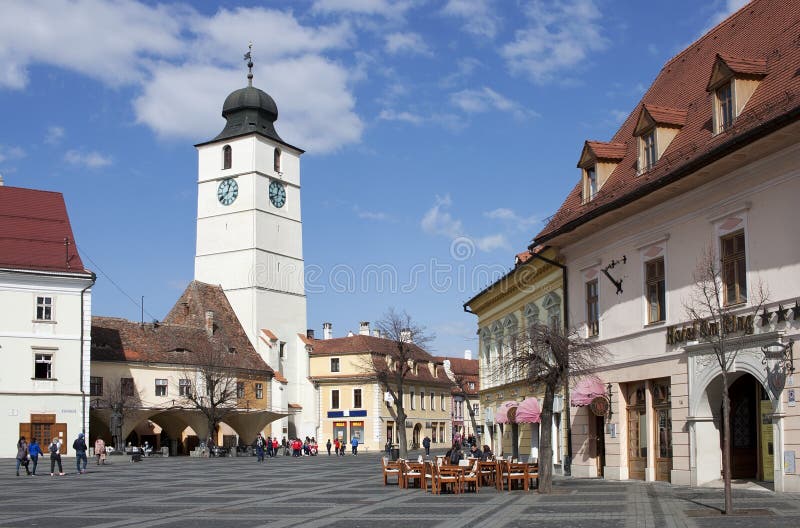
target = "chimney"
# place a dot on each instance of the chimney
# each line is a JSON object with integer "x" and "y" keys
{"x": 1, "y": 180}
{"x": 350, "y": 333}
{"x": 468, "y": 354}
{"x": 310, "y": 333}
{"x": 364, "y": 330}
{"x": 376, "y": 333}
{"x": 210, "y": 323}
{"x": 405, "y": 335}
{"x": 327, "y": 330}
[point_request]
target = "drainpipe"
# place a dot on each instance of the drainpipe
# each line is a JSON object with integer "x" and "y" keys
{"x": 84, "y": 425}
{"x": 567, "y": 417}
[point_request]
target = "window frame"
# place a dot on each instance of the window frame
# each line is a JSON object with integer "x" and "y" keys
{"x": 358, "y": 399}
{"x": 127, "y": 387}
{"x": 45, "y": 303}
{"x": 591, "y": 182}
{"x": 411, "y": 395}
{"x": 443, "y": 402}
{"x": 737, "y": 258}
{"x": 43, "y": 358}
{"x": 422, "y": 401}
{"x": 227, "y": 157}
{"x": 259, "y": 390}
{"x": 725, "y": 111}
{"x": 659, "y": 284}
{"x": 592, "y": 308}
{"x": 336, "y": 399}
{"x": 163, "y": 385}
{"x": 433, "y": 401}
{"x": 648, "y": 144}
{"x": 94, "y": 383}
{"x": 184, "y": 387}
{"x": 240, "y": 390}
{"x": 338, "y": 364}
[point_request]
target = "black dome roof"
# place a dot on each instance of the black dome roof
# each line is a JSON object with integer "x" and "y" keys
{"x": 250, "y": 97}
{"x": 249, "y": 110}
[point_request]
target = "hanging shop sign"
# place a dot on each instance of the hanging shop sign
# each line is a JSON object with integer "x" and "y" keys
{"x": 600, "y": 406}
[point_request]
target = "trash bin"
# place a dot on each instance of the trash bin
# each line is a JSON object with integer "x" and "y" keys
{"x": 395, "y": 453}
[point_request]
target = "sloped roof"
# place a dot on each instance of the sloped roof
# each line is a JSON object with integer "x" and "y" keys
{"x": 602, "y": 151}
{"x": 763, "y": 30}
{"x": 34, "y": 225}
{"x": 744, "y": 66}
{"x": 184, "y": 329}
{"x": 666, "y": 116}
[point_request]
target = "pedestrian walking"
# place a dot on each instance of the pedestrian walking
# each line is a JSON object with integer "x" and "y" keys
{"x": 275, "y": 446}
{"x": 328, "y": 446}
{"x": 336, "y": 445}
{"x": 354, "y": 444}
{"x": 79, "y": 445}
{"x": 22, "y": 455}
{"x": 100, "y": 450}
{"x": 388, "y": 447}
{"x": 55, "y": 456}
{"x": 260, "y": 447}
{"x": 426, "y": 443}
{"x": 34, "y": 450}
{"x": 342, "y": 447}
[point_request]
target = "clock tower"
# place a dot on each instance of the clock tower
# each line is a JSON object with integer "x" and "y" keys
{"x": 250, "y": 241}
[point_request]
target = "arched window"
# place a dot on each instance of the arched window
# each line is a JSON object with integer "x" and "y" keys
{"x": 277, "y": 160}
{"x": 552, "y": 303}
{"x": 531, "y": 314}
{"x": 227, "y": 157}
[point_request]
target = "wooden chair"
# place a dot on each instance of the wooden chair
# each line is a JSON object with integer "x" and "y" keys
{"x": 501, "y": 474}
{"x": 533, "y": 475}
{"x": 487, "y": 470}
{"x": 391, "y": 469}
{"x": 446, "y": 476}
{"x": 519, "y": 473}
{"x": 428, "y": 475}
{"x": 412, "y": 472}
{"x": 471, "y": 475}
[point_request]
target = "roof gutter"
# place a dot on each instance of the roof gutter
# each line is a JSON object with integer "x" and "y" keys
{"x": 693, "y": 166}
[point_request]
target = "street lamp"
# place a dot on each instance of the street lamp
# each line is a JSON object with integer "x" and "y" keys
{"x": 458, "y": 399}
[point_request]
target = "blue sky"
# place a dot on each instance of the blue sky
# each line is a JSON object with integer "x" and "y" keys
{"x": 438, "y": 133}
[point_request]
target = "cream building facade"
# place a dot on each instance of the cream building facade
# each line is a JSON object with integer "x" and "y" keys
{"x": 352, "y": 402}
{"x": 712, "y": 166}
{"x": 532, "y": 292}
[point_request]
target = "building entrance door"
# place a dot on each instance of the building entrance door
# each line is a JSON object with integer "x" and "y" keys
{"x": 744, "y": 396}
{"x": 600, "y": 444}
{"x": 663, "y": 429}
{"x": 637, "y": 432}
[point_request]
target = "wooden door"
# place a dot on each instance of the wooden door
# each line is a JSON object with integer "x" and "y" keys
{"x": 600, "y": 443}
{"x": 663, "y": 438}
{"x": 744, "y": 428}
{"x": 637, "y": 442}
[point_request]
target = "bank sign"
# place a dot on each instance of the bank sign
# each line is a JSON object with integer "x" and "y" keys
{"x": 731, "y": 324}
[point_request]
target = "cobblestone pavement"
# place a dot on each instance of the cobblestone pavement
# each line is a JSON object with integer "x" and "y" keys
{"x": 348, "y": 492}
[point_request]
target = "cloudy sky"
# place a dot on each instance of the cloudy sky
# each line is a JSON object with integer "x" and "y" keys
{"x": 439, "y": 134}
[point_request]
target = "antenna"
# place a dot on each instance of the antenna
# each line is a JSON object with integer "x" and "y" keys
{"x": 66, "y": 252}
{"x": 249, "y": 58}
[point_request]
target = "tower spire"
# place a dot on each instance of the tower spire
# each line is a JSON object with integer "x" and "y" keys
{"x": 249, "y": 58}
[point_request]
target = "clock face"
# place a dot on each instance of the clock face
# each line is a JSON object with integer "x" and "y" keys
{"x": 227, "y": 191}
{"x": 277, "y": 194}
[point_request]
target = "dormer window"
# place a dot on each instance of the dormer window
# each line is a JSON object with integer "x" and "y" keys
{"x": 598, "y": 161}
{"x": 656, "y": 128}
{"x": 227, "y": 157}
{"x": 733, "y": 81}
{"x": 591, "y": 182}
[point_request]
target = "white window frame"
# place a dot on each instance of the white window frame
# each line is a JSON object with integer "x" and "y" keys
{"x": 591, "y": 182}
{"x": 647, "y": 150}
{"x": 161, "y": 382}
{"x": 443, "y": 402}
{"x": 259, "y": 389}
{"x": 184, "y": 387}
{"x": 44, "y": 306}
{"x": 719, "y": 125}
{"x": 49, "y": 360}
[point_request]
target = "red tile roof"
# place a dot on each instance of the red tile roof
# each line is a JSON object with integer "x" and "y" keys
{"x": 763, "y": 30}
{"x": 665, "y": 116}
{"x": 605, "y": 151}
{"x": 744, "y": 66}
{"x": 33, "y": 228}
{"x": 181, "y": 339}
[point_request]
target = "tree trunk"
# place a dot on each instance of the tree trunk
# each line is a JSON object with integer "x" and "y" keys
{"x": 474, "y": 424}
{"x": 546, "y": 442}
{"x": 401, "y": 431}
{"x": 726, "y": 444}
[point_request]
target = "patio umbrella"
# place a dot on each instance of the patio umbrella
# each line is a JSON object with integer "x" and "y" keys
{"x": 587, "y": 390}
{"x": 504, "y": 412}
{"x": 529, "y": 411}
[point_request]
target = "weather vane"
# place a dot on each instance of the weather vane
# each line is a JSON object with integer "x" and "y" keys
{"x": 249, "y": 58}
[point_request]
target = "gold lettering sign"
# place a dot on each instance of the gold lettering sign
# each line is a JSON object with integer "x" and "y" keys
{"x": 704, "y": 329}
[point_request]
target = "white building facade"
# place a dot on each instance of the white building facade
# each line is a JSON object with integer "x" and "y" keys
{"x": 45, "y": 319}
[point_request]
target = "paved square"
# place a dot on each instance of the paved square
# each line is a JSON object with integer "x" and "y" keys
{"x": 346, "y": 492}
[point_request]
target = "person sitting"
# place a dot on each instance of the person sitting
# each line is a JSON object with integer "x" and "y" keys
{"x": 474, "y": 452}
{"x": 487, "y": 453}
{"x": 456, "y": 455}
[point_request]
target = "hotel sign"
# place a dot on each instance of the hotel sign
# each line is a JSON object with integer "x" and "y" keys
{"x": 678, "y": 334}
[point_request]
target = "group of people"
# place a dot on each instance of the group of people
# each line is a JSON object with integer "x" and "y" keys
{"x": 28, "y": 453}
{"x": 267, "y": 447}
{"x": 456, "y": 453}
{"x": 340, "y": 446}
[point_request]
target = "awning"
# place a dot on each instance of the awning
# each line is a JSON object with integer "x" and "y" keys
{"x": 529, "y": 411}
{"x": 505, "y": 412}
{"x": 587, "y": 390}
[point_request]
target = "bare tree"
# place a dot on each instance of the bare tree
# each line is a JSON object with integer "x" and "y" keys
{"x": 393, "y": 369}
{"x": 720, "y": 320}
{"x": 544, "y": 357}
{"x": 209, "y": 384}
{"x": 122, "y": 399}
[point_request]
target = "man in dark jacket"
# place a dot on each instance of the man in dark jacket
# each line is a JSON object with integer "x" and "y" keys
{"x": 79, "y": 445}
{"x": 426, "y": 443}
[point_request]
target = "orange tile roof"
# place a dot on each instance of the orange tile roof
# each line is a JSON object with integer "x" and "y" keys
{"x": 269, "y": 334}
{"x": 279, "y": 377}
{"x": 606, "y": 151}
{"x": 763, "y": 30}
{"x": 665, "y": 116}
{"x": 744, "y": 66}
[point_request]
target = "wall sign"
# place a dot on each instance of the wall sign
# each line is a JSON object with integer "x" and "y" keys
{"x": 731, "y": 324}
{"x": 600, "y": 406}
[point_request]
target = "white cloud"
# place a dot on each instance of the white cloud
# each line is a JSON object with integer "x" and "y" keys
{"x": 438, "y": 221}
{"x": 93, "y": 159}
{"x": 384, "y": 8}
{"x": 10, "y": 152}
{"x": 558, "y": 37}
{"x": 312, "y": 92}
{"x": 509, "y": 216}
{"x": 377, "y": 216}
{"x": 408, "y": 43}
{"x": 183, "y": 63}
{"x": 407, "y": 117}
{"x": 54, "y": 135}
{"x": 479, "y": 16}
{"x": 466, "y": 67}
{"x": 486, "y": 99}
{"x": 109, "y": 41}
